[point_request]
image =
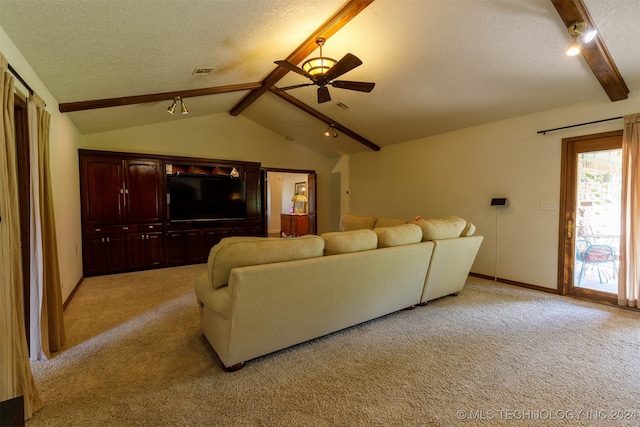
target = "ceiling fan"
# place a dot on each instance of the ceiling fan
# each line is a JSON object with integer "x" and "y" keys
{"x": 322, "y": 71}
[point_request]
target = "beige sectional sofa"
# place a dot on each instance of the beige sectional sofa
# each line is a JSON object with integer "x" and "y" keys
{"x": 263, "y": 294}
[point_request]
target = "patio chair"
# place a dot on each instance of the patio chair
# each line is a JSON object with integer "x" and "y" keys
{"x": 596, "y": 255}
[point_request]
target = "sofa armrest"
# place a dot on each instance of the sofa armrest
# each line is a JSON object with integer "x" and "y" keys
{"x": 217, "y": 300}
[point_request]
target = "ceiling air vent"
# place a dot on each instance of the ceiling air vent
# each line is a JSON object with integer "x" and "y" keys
{"x": 342, "y": 106}
{"x": 202, "y": 71}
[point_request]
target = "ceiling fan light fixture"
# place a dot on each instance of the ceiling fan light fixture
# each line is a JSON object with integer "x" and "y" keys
{"x": 319, "y": 64}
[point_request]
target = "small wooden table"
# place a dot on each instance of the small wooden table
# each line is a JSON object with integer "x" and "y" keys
{"x": 294, "y": 224}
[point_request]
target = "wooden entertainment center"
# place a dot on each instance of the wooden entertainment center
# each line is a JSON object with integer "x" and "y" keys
{"x": 126, "y": 223}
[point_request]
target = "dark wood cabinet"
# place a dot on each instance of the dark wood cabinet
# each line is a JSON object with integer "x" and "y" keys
{"x": 184, "y": 247}
{"x": 102, "y": 183}
{"x": 145, "y": 250}
{"x": 121, "y": 191}
{"x": 125, "y": 214}
{"x": 122, "y": 196}
{"x": 104, "y": 252}
{"x": 143, "y": 190}
{"x": 294, "y": 224}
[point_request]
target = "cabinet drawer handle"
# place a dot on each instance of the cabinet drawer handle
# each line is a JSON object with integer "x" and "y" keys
{"x": 125, "y": 228}
{"x": 98, "y": 229}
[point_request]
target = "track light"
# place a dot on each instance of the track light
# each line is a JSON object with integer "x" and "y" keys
{"x": 581, "y": 34}
{"x": 331, "y": 131}
{"x": 172, "y": 107}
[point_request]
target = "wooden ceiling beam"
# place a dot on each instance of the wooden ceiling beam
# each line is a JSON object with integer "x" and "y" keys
{"x": 69, "y": 107}
{"x": 595, "y": 52}
{"x": 328, "y": 120}
{"x": 338, "y": 20}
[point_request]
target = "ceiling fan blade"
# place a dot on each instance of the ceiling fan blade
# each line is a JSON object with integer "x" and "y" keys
{"x": 289, "y": 66}
{"x": 280, "y": 89}
{"x": 347, "y": 63}
{"x": 359, "y": 86}
{"x": 323, "y": 94}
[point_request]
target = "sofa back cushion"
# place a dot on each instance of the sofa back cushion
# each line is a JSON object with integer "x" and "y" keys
{"x": 469, "y": 230}
{"x": 398, "y": 235}
{"x": 240, "y": 251}
{"x": 351, "y": 222}
{"x": 342, "y": 242}
{"x": 441, "y": 228}
{"x": 389, "y": 222}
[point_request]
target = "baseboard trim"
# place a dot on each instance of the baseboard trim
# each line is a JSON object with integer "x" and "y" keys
{"x": 551, "y": 291}
{"x": 513, "y": 282}
{"x": 73, "y": 292}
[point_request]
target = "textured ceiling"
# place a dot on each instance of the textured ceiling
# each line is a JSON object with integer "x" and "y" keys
{"x": 438, "y": 65}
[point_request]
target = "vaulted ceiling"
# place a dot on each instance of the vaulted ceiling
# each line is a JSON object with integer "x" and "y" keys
{"x": 438, "y": 65}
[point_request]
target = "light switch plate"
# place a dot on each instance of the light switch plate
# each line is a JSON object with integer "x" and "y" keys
{"x": 548, "y": 205}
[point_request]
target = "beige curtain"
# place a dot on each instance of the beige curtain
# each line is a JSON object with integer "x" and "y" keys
{"x": 44, "y": 232}
{"x": 629, "y": 278}
{"x": 16, "y": 378}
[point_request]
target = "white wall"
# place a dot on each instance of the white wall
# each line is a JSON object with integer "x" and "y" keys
{"x": 458, "y": 173}
{"x": 64, "y": 141}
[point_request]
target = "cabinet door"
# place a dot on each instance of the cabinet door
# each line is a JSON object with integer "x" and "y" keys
{"x": 95, "y": 257}
{"x": 175, "y": 247}
{"x": 184, "y": 247}
{"x": 102, "y": 184}
{"x": 135, "y": 251}
{"x": 144, "y": 195}
{"x": 103, "y": 254}
{"x": 117, "y": 249}
{"x": 154, "y": 250}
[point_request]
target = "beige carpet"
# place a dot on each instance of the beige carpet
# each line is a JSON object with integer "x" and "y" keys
{"x": 494, "y": 355}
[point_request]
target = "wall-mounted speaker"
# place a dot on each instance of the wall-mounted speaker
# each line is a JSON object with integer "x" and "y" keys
{"x": 501, "y": 201}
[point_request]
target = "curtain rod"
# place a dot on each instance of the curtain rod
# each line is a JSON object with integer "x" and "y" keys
{"x": 544, "y": 132}
{"x": 20, "y": 79}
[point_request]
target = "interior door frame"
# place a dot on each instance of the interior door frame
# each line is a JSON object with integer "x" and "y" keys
{"x": 566, "y": 236}
{"x": 311, "y": 196}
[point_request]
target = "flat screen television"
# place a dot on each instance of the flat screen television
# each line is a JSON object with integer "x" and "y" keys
{"x": 200, "y": 197}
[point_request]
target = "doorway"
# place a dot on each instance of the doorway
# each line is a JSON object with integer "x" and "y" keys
{"x": 590, "y": 216}
{"x": 278, "y": 190}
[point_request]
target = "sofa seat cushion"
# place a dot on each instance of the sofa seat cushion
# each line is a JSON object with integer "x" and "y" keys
{"x": 389, "y": 222}
{"x": 398, "y": 235}
{"x": 342, "y": 242}
{"x": 240, "y": 251}
{"x": 351, "y": 222}
{"x": 441, "y": 228}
